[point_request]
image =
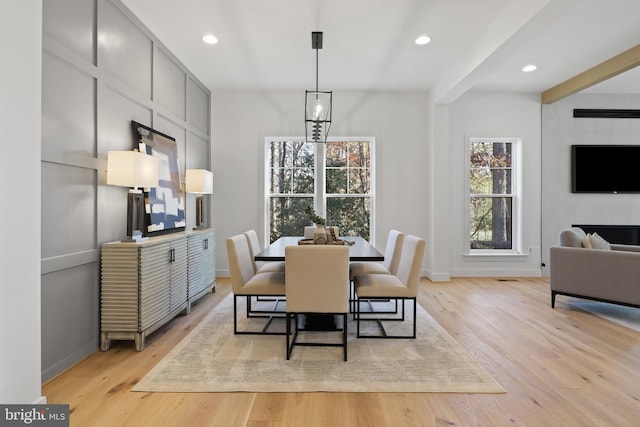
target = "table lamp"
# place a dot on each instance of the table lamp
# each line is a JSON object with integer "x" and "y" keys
{"x": 135, "y": 170}
{"x": 199, "y": 181}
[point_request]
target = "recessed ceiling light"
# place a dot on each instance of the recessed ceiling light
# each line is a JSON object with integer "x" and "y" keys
{"x": 422, "y": 40}
{"x": 210, "y": 39}
{"x": 529, "y": 68}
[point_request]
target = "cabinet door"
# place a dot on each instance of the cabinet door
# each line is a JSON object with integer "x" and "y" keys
{"x": 155, "y": 283}
{"x": 178, "y": 273}
{"x": 201, "y": 266}
{"x": 119, "y": 288}
{"x": 209, "y": 260}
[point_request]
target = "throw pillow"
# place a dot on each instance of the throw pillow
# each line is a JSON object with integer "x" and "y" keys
{"x": 572, "y": 237}
{"x": 586, "y": 243}
{"x": 597, "y": 242}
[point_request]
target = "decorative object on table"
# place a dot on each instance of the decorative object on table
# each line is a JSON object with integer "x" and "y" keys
{"x": 165, "y": 203}
{"x": 317, "y": 113}
{"x": 320, "y": 234}
{"x": 199, "y": 181}
{"x": 333, "y": 242}
{"x": 332, "y": 234}
{"x": 136, "y": 170}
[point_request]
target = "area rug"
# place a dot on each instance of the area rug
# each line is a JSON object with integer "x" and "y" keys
{"x": 620, "y": 314}
{"x": 212, "y": 359}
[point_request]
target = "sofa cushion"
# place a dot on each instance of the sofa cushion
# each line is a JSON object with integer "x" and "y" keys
{"x": 572, "y": 237}
{"x": 597, "y": 242}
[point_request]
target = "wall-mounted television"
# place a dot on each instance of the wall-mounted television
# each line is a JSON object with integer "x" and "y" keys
{"x": 605, "y": 169}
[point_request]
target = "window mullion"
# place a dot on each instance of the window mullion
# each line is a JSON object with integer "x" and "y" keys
{"x": 321, "y": 199}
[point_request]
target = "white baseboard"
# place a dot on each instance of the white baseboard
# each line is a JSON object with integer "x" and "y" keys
{"x": 498, "y": 272}
{"x": 41, "y": 401}
{"x": 436, "y": 277}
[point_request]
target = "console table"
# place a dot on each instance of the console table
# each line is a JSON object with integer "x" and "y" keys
{"x": 144, "y": 285}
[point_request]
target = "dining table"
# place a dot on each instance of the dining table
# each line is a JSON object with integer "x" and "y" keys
{"x": 359, "y": 249}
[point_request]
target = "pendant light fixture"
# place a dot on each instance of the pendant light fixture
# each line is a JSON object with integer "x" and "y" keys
{"x": 317, "y": 115}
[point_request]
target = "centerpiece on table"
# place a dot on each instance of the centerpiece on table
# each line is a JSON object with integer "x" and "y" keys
{"x": 320, "y": 235}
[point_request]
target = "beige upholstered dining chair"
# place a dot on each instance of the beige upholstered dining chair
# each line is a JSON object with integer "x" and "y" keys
{"x": 246, "y": 283}
{"x": 391, "y": 258}
{"x": 401, "y": 286}
{"x": 317, "y": 278}
{"x": 254, "y": 248}
{"x": 388, "y": 266}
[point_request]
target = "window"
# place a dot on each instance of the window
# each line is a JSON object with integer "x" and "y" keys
{"x": 334, "y": 178}
{"x": 492, "y": 208}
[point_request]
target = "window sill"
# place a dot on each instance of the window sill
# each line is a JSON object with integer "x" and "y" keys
{"x": 493, "y": 254}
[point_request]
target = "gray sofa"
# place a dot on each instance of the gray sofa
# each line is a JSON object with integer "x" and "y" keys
{"x": 609, "y": 274}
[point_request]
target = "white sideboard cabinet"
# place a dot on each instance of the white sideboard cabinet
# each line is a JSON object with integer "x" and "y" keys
{"x": 144, "y": 285}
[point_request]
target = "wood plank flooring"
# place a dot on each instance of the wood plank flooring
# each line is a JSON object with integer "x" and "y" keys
{"x": 560, "y": 367}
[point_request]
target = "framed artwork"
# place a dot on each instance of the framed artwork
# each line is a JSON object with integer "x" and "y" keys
{"x": 164, "y": 205}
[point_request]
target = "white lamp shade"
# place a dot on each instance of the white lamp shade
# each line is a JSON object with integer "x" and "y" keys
{"x": 132, "y": 169}
{"x": 199, "y": 181}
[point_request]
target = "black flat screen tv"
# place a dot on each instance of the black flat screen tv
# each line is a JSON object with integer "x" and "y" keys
{"x": 605, "y": 169}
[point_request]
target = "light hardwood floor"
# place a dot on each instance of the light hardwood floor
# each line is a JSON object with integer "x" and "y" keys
{"x": 560, "y": 367}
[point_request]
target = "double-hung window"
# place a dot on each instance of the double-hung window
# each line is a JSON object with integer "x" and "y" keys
{"x": 334, "y": 178}
{"x": 492, "y": 211}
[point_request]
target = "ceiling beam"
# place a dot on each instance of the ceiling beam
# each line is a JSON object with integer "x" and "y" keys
{"x": 605, "y": 70}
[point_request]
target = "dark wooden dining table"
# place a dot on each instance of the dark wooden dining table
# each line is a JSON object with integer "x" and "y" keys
{"x": 359, "y": 249}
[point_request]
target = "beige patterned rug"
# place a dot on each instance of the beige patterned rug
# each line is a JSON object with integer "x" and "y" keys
{"x": 212, "y": 359}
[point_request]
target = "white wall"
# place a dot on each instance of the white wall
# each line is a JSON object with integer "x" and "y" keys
{"x": 493, "y": 115}
{"x": 21, "y": 45}
{"x": 560, "y": 130}
{"x": 242, "y": 119}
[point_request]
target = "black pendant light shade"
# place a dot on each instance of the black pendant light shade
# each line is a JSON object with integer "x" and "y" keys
{"x": 317, "y": 113}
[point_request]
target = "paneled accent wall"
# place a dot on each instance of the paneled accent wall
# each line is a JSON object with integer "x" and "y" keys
{"x": 102, "y": 68}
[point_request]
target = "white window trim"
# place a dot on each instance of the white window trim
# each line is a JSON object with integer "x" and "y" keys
{"x": 320, "y": 184}
{"x": 516, "y": 213}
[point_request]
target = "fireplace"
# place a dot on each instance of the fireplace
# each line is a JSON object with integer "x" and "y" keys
{"x": 620, "y": 234}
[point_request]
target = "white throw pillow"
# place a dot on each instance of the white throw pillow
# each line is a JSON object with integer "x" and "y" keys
{"x": 597, "y": 242}
{"x": 586, "y": 243}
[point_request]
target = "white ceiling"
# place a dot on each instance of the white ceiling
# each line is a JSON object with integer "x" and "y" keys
{"x": 476, "y": 45}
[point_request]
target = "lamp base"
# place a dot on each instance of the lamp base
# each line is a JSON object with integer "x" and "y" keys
{"x": 135, "y": 213}
{"x": 136, "y": 237}
{"x": 200, "y": 213}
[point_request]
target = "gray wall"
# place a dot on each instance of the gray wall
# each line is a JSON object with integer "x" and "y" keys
{"x": 560, "y": 130}
{"x": 101, "y": 68}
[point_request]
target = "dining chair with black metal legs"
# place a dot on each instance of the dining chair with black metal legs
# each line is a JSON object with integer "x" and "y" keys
{"x": 246, "y": 283}
{"x": 261, "y": 267}
{"x": 254, "y": 248}
{"x": 392, "y": 252}
{"x": 317, "y": 278}
{"x": 402, "y": 286}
